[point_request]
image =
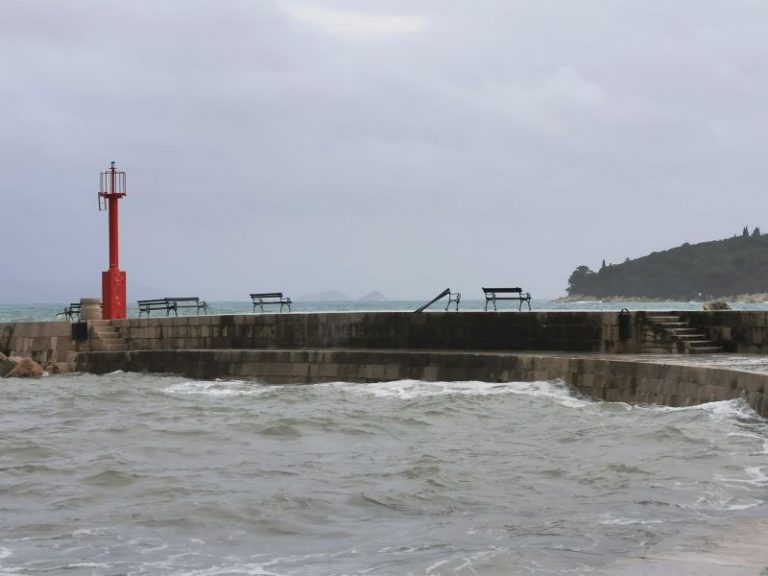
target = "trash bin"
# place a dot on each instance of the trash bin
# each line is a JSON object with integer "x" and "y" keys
{"x": 625, "y": 324}
{"x": 79, "y": 331}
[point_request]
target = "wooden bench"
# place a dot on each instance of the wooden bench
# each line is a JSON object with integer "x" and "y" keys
{"x": 267, "y": 298}
{"x": 171, "y": 304}
{"x": 492, "y": 295}
{"x": 188, "y": 302}
{"x": 71, "y": 311}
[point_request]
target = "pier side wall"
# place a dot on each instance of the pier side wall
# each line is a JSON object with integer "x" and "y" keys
{"x": 375, "y": 346}
{"x": 571, "y": 331}
{"x": 44, "y": 342}
{"x": 612, "y": 379}
{"x": 738, "y": 331}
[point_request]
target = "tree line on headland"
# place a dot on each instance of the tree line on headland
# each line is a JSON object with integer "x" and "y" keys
{"x": 717, "y": 269}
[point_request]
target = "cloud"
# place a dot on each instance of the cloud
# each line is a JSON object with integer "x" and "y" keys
{"x": 375, "y": 145}
{"x": 356, "y": 25}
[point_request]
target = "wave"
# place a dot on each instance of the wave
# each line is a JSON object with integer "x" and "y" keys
{"x": 415, "y": 389}
{"x": 735, "y": 409}
{"x": 219, "y": 388}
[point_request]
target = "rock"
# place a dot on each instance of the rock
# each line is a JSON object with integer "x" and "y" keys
{"x": 6, "y": 364}
{"x": 717, "y": 305}
{"x": 58, "y": 368}
{"x": 27, "y": 368}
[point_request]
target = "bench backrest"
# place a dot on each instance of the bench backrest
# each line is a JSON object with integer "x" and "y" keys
{"x": 267, "y": 295}
{"x": 503, "y": 290}
{"x": 155, "y": 301}
{"x": 185, "y": 299}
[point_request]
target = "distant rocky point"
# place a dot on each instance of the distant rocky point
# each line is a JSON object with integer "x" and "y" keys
{"x": 374, "y": 297}
{"x": 333, "y": 296}
{"x": 730, "y": 269}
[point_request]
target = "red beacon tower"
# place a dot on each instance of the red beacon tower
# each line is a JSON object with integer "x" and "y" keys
{"x": 112, "y": 189}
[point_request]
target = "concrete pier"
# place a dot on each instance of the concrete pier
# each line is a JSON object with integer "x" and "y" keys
{"x": 583, "y": 348}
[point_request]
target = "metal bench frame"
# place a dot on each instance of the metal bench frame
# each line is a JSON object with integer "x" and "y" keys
{"x": 71, "y": 311}
{"x": 171, "y": 304}
{"x": 262, "y": 299}
{"x": 491, "y": 295}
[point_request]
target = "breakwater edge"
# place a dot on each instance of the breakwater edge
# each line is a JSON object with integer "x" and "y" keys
{"x": 587, "y": 349}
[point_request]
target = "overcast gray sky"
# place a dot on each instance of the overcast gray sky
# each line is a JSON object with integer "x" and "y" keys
{"x": 359, "y": 145}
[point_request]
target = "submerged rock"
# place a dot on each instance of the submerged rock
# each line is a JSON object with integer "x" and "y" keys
{"x": 58, "y": 368}
{"x": 6, "y": 364}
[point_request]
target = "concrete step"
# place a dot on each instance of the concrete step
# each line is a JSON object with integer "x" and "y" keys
{"x": 108, "y": 345}
{"x": 702, "y": 342}
{"x": 705, "y": 350}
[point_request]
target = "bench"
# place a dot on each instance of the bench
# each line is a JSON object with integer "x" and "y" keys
{"x": 267, "y": 298}
{"x": 171, "y": 304}
{"x": 71, "y": 311}
{"x": 453, "y": 297}
{"x": 492, "y": 295}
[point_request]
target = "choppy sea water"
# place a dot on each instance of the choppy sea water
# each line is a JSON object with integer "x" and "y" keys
{"x": 144, "y": 474}
{"x": 48, "y": 312}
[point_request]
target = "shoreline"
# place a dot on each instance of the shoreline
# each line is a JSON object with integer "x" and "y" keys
{"x": 756, "y": 298}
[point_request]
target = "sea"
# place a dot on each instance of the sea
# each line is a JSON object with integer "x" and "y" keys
{"x": 148, "y": 474}
{"x": 51, "y": 311}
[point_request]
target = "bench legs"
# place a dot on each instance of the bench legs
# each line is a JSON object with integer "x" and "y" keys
{"x": 519, "y": 308}
{"x": 455, "y": 298}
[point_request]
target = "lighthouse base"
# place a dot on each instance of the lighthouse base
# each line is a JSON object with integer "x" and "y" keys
{"x": 113, "y": 294}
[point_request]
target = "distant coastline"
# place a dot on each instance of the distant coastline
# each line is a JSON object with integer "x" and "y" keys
{"x": 746, "y": 298}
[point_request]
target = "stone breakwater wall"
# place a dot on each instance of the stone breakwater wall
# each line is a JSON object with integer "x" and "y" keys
{"x": 47, "y": 343}
{"x": 572, "y": 331}
{"x": 584, "y": 348}
{"x": 743, "y": 332}
{"x": 611, "y": 378}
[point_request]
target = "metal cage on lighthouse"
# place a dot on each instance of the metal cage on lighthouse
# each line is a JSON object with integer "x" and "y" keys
{"x": 113, "y": 281}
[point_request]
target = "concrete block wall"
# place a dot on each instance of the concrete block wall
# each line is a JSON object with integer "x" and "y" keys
{"x": 574, "y": 331}
{"x": 738, "y": 331}
{"x": 602, "y": 378}
{"x": 44, "y": 342}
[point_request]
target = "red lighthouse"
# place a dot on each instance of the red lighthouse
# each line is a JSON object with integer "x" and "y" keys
{"x": 113, "y": 291}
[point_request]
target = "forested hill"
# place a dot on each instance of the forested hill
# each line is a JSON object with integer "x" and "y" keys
{"x": 721, "y": 268}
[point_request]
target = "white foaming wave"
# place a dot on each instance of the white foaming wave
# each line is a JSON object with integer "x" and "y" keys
{"x": 413, "y": 389}
{"x": 721, "y": 504}
{"x": 246, "y": 569}
{"x": 610, "y": 520}
{"x": 736, "y": 409}
{"x": 757, "y": 475}
{"x": 218, "y": 388}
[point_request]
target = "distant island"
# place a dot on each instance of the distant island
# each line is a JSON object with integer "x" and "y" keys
{"x": 333, "y": 296}
{"x": 734, "y": 268}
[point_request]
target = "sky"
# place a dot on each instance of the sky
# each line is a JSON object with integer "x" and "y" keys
{"x": 362, "y": 145}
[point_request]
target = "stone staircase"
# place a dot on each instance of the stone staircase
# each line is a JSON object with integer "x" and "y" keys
{"x": 669, "y": 329}
{"x": 105, "y": 337}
